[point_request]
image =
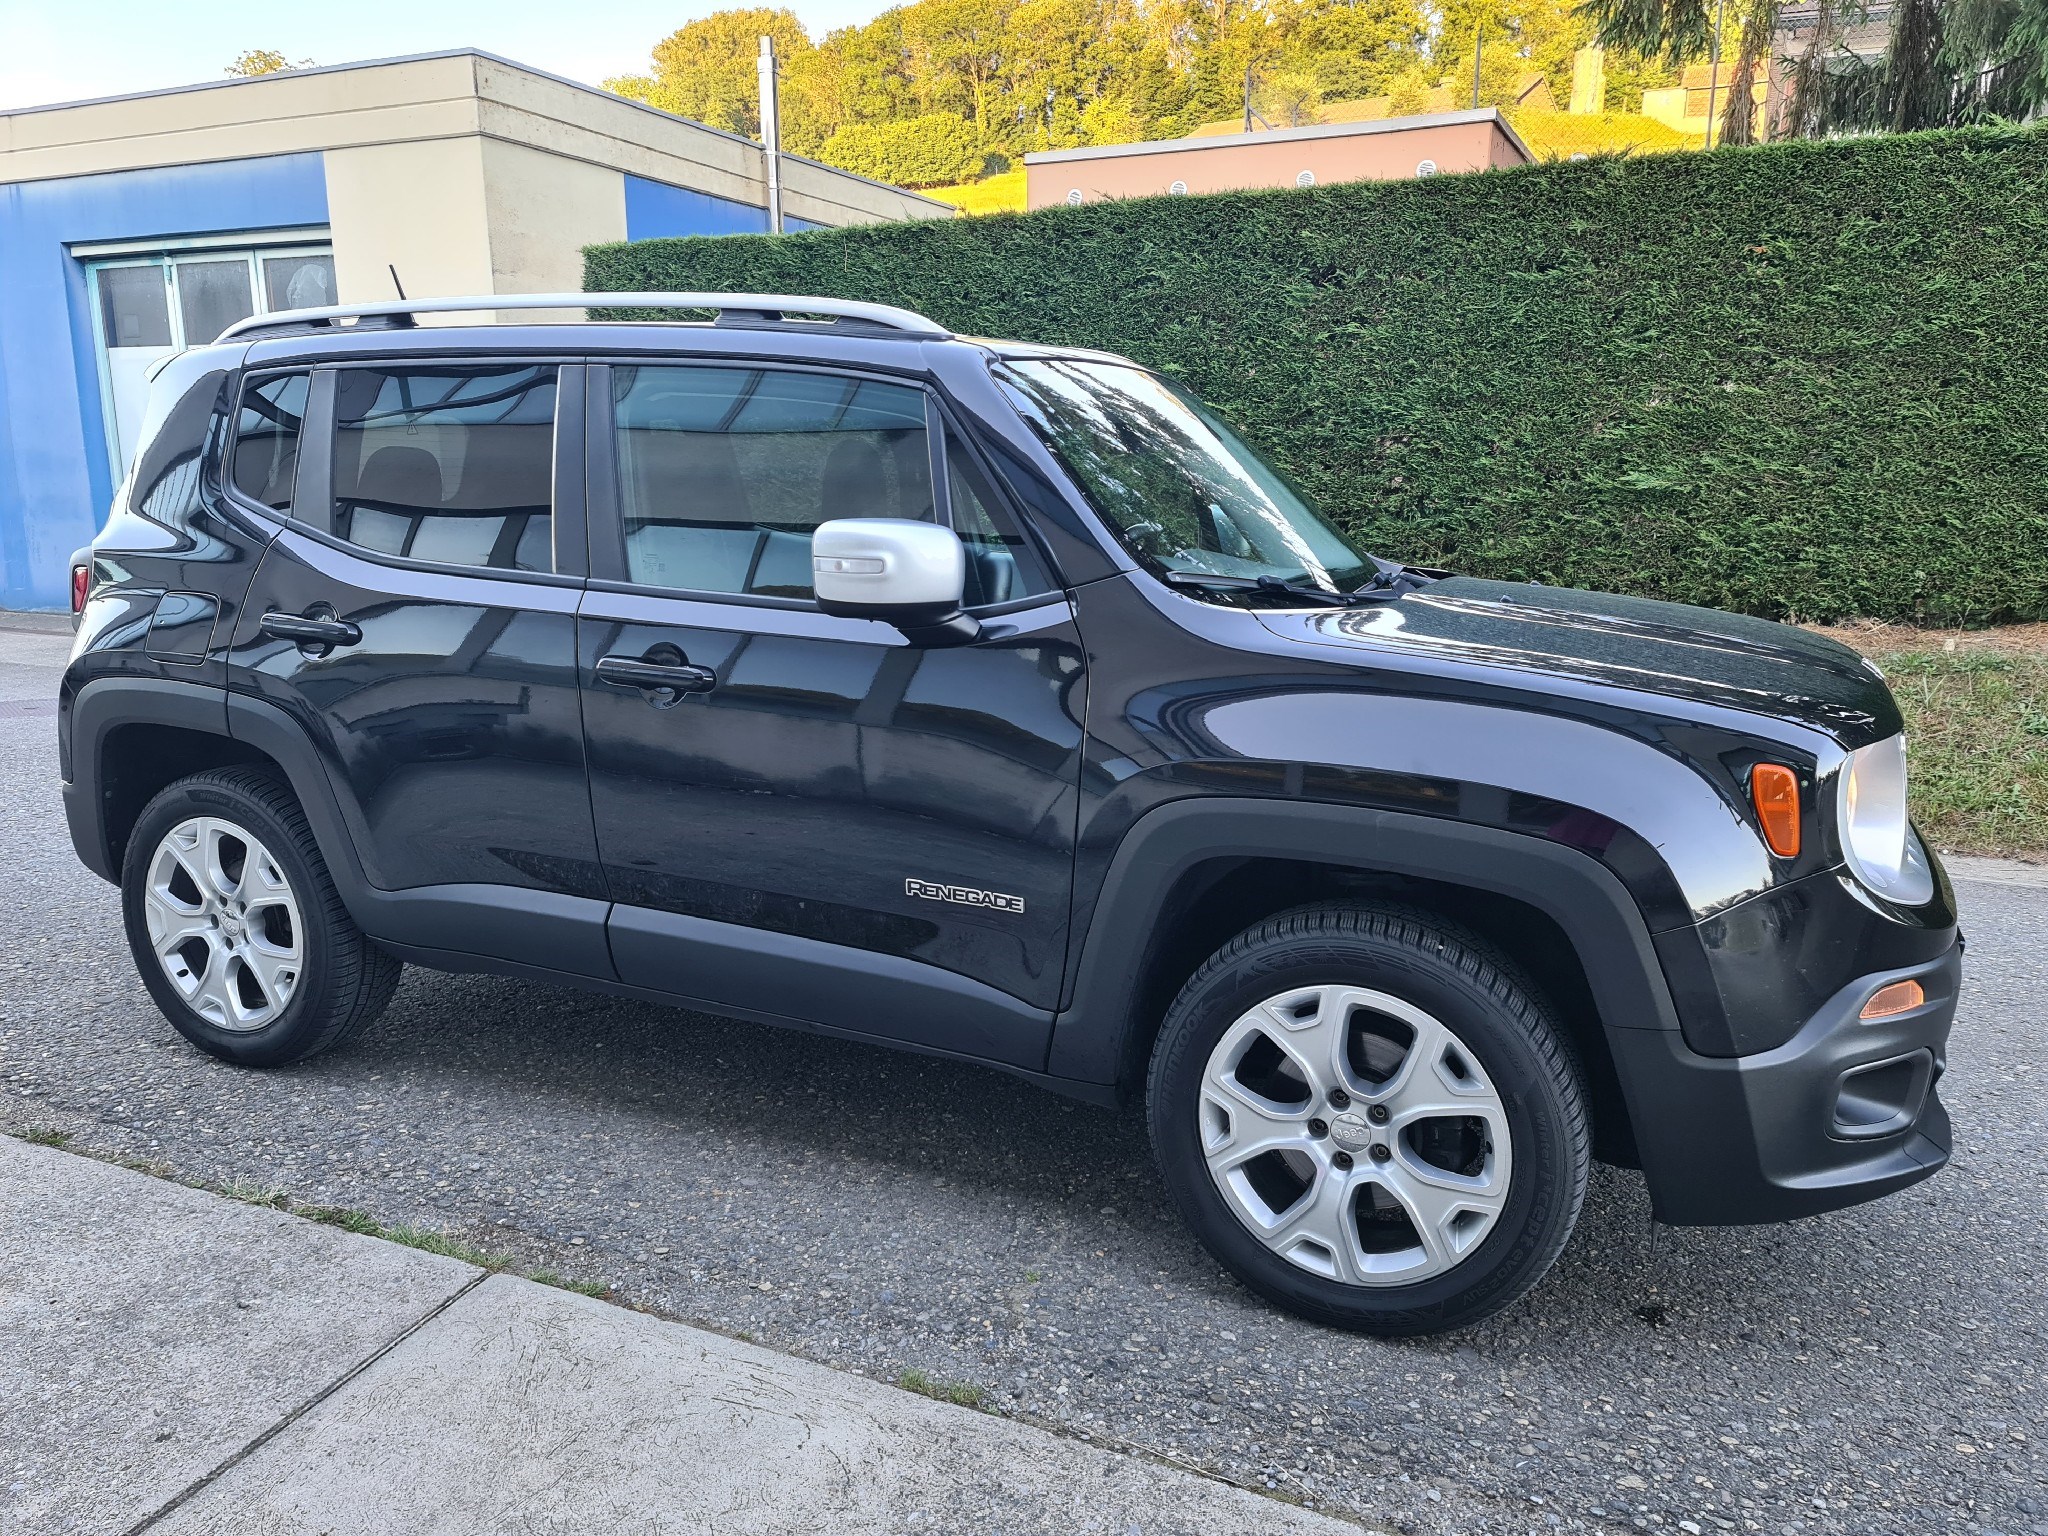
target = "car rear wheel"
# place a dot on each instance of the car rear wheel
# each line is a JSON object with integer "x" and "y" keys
{"x": 237, "y": 928}
{"x": 1370, "y": 1119}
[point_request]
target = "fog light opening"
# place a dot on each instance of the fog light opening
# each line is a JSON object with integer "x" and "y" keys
{"x": 1883, "y": 1098}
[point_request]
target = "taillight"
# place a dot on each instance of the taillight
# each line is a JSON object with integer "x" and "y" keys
{"x": 1774, "y": 791}
{"x": 81, "y": 583}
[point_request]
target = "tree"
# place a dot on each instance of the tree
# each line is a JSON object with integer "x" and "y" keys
{"x": 252, "y": 62}
{"x": 1362, "y": 49}
{"x": 961, "y": 45}
{"x": 1997, "y": 50}
{"x": 1289, "y": 97}
{"x": 1022, "y": 75}
{"x": 1948, "y": 61}
{"x": 708, "y": 70}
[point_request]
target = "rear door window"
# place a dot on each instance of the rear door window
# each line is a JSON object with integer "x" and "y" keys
{"x": 449, "y": 464}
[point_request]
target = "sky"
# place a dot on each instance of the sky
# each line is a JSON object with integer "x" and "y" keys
{"x": 68, "y": 50}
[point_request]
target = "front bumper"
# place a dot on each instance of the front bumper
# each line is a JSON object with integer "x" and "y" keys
{"x": 1844, "y": 1111}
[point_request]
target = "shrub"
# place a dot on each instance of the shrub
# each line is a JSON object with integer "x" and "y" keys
{"x": 1798, "y": 380}
{"x": 925, "y": 151}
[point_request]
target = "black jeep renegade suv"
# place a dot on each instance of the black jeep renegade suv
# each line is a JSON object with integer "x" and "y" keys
{"x": 818, "y": 667}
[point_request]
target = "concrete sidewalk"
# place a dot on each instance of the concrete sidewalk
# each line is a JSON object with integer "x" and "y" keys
{"x": 175, "y": 1362}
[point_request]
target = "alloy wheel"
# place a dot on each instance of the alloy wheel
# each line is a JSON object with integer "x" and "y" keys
{"x": 1355, "y": 1135}
{"x": 223, "y": 923}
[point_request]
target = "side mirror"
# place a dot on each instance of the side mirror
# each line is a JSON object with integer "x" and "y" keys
{"x": 912, "y": 575}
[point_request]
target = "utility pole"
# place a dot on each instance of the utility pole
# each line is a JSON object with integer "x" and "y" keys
{"x": 1478, "y": 53}
{"x": 1714, "y": 78}
{"x": 1247, "y": 98}
{"x": 771, "y": 134}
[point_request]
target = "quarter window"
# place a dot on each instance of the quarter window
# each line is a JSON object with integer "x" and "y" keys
{"x": 1001, "y": 565}
{"x": 454, "y": 465}
{"x": 267, "y": 431}
{"x": 725, "y": 472}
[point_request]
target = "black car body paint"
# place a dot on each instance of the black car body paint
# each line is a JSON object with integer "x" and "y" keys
{"x": 1114, "y": 758}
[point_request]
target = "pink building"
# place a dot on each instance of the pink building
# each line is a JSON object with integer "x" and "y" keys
{"x": 1388, "y": 149}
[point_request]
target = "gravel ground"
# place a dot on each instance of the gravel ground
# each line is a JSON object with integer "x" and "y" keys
{"x": 1880, "y": 1370}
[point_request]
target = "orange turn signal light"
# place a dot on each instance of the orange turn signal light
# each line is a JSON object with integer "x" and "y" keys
{"x": 1896, "y": 998}
{"x": 1774, "y": 791}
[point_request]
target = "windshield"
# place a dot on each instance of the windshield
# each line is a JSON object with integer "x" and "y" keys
{"x": 1180, "y": 488}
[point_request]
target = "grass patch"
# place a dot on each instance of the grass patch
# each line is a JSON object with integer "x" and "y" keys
{"x": 250, "y": 1194}
{"x": 360, "y": 1222}
{"x": 447, "y": 1247}
{"x": 991, "y": 194}
{"x": 594, "y": 1288}
{"x": 43, "y": 1136}
{"x": 427, "y": 1241}
{"x": 964, "y": 1393}
{"x": 1977, "y": 743}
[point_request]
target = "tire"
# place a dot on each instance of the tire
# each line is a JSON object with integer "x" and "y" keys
{"x": 1369, "y": 1118}
{"x": 236, "y": 926}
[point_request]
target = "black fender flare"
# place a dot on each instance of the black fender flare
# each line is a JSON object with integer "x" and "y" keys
{"x": 105, "y": 704}
{"x": 1095, "y": 1036}
{"x": 462, "y": 923}
{"x": 101, "y": 706}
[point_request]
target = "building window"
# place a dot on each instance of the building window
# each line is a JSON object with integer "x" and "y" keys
{"x": 148, "y": 305}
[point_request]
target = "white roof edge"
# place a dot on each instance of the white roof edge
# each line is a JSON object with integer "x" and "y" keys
{"x": 232, "y": 81}
{"x": 464, "y": 53}
{"x": 1283, "y": 136}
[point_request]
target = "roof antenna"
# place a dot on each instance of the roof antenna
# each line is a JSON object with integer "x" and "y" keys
{"x": 403, "y": 320}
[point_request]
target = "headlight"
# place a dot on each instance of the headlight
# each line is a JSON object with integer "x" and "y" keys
{"x": 1878, "y": 841}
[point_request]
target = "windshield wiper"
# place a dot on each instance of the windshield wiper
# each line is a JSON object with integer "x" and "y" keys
{"x": 1275, "y": 586}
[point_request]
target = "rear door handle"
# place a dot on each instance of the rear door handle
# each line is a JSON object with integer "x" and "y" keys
{"x": 679, "y": 676}
{"x": 309, "y": 630}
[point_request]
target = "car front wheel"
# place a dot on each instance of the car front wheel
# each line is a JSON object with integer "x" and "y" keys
{"x": 1370, "y": 1119}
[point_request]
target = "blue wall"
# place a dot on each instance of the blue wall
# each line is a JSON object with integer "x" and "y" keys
{"x": 655, "y": 208}
{"x": 55, "y": 486}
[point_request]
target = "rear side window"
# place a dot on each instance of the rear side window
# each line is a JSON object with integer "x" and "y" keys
{"x": 454, "y": 465}
{"x": 724, "y": 472}
{"x": 268, "y": 427}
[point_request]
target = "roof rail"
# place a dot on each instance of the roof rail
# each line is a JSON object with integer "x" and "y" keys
{"x": 734, "y": 309}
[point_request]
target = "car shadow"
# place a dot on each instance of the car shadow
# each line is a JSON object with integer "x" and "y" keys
{"x": 768, "y": 1097}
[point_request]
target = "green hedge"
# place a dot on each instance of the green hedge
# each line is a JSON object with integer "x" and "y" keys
{"x": 1801, "y": 380}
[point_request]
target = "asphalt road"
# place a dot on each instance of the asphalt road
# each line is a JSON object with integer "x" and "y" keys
{"x": 1880, "y": 1370}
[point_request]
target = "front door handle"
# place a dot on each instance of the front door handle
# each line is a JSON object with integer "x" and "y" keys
{"x": 673, "y": 677}
{"x": 310, "y": 630}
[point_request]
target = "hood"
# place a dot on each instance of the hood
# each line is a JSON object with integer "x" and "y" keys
{"x": 1667, "y": 649}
